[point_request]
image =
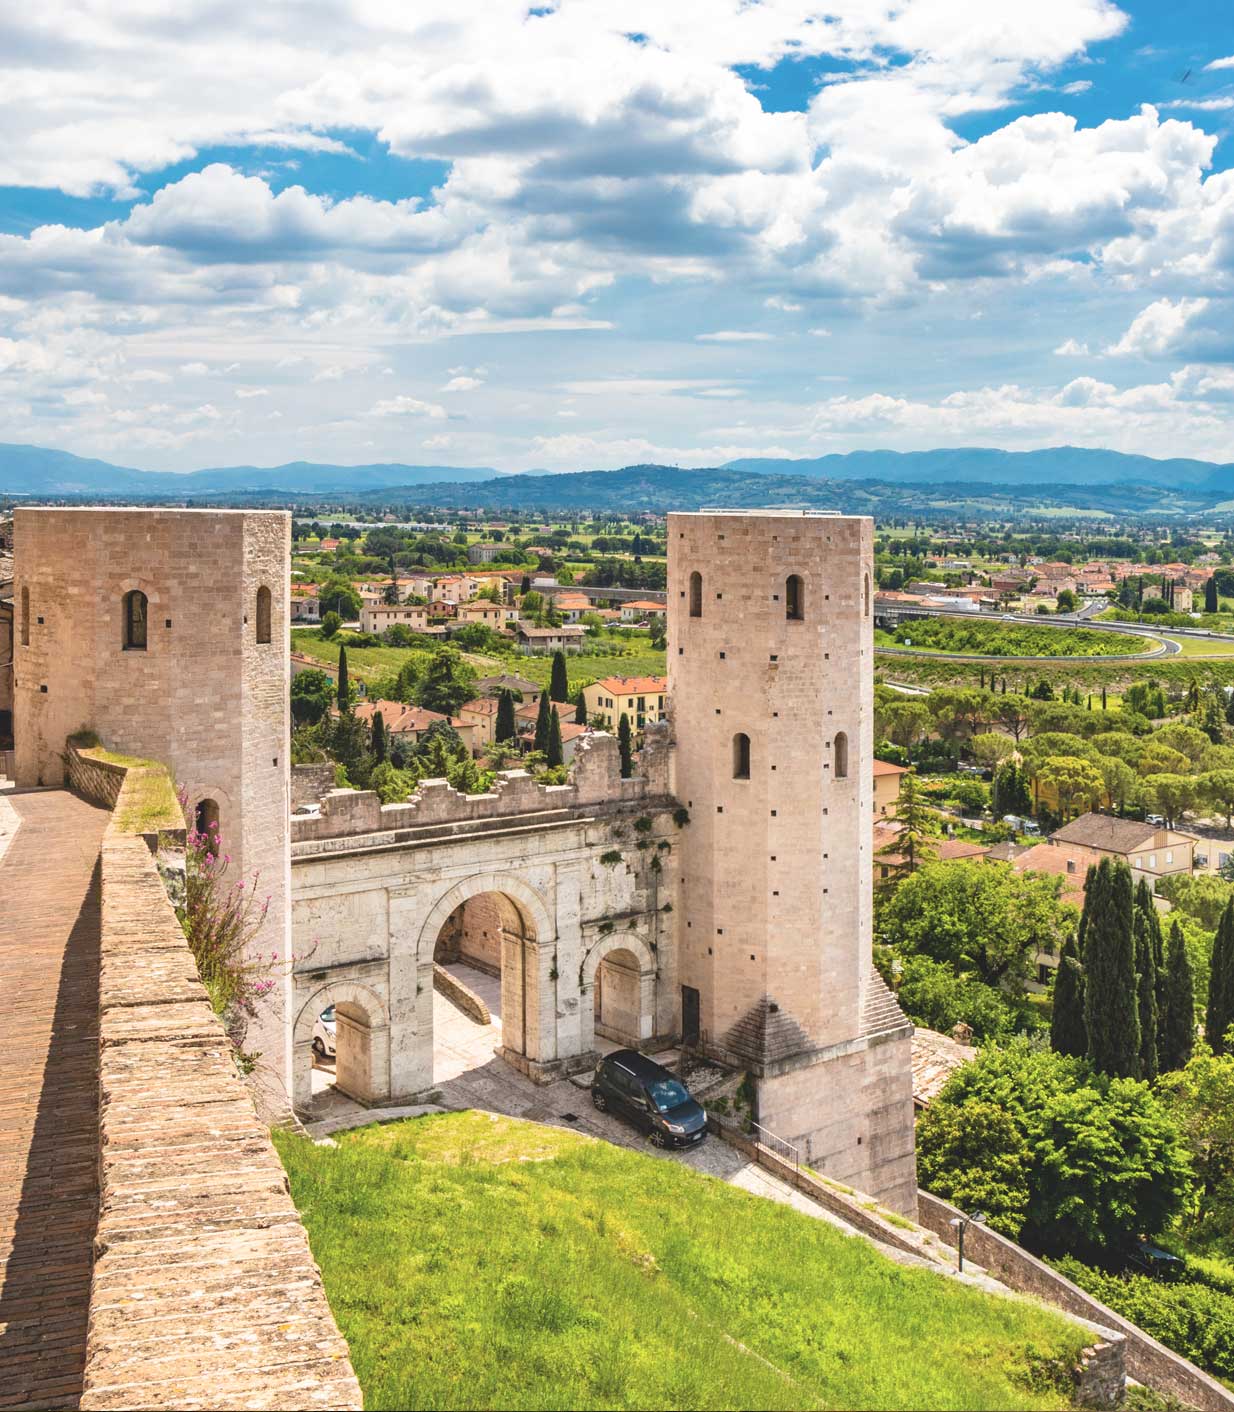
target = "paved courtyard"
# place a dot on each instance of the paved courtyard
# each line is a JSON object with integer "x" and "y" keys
{"x": 468, "y": 1074}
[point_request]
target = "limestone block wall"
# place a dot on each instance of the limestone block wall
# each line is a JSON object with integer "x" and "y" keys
{"x": 770, "y": 643}
{"x": 205, "y": 1292}
{"x": 205, "y": 696}
{"x": 370, "y": 915}
{"x": 99, "y": 781}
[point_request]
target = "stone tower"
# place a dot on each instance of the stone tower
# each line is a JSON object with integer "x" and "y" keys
{"x": 166, "y": 633}
{"x": 771, "y": 663}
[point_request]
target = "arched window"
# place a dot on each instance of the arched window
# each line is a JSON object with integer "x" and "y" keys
{"x": 25, "y": 617}
{"x": 794, "y": 598}
{"x": 866, "y": 597}
{"x": 840, "y": 756}
{"x": 696, "y": 594}
{"x": 741, "y": 756}
{"x": 263, "y": 614}
{"x": 206, "y": 819}
{"x": 135, "y": 613}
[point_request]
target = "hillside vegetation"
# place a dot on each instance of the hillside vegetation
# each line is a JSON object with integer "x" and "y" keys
{"x": 478, "y": 1261}
{"x": 1009, "y": 640}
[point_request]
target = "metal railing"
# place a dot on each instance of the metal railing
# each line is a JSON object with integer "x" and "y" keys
{"x": 777, "y": 1145}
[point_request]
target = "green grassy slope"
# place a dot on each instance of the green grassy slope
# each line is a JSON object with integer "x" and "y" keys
{"x": 475, "y": 1261}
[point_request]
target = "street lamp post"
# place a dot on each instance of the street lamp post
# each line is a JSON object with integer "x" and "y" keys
{"x": 960, "y": 1224}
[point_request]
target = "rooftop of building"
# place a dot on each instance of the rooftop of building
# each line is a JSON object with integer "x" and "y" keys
{"x": 627, "y": 686}
{"x": 1112, "y": 835}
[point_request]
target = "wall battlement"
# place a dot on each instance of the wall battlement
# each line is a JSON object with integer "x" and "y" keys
{"x": 595, "y": 784}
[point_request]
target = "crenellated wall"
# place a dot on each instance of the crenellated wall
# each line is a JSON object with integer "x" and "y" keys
{"x": 595, "y": 784}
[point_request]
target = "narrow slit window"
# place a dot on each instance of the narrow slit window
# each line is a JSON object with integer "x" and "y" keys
{"x": 866, "y": 596}
{"x": 263, "y": 614}
{"x": 25, "y": 617}
{"x": 794, "y": 598}
{"x": 840, "y": 757}
{"x": 696, "y": 594}
{"x": 136, "y": 613}
{"x": 741, "y": 756}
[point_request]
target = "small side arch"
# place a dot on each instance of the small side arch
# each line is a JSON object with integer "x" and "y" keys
{"x": 362, "y": 1037}
{"x": 618, "y": 980}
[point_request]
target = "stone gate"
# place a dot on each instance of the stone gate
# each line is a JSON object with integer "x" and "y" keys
{"x": 562, "y": 890}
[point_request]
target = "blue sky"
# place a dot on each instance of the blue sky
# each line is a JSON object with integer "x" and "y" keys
{"x": 600, "y": 232}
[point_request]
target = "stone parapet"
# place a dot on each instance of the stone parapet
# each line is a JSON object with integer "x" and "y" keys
{"x": 99, "y": 781}
{"x": 1148, "y": 1361}
{"x": 204, "y": 1293}
{"x": 595, "y": 782}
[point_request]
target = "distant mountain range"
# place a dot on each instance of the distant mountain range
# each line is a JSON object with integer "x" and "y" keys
{"x": 1061, "y": 475}
{"x": 39, "y": 471}
{"x": 975, "y": 465}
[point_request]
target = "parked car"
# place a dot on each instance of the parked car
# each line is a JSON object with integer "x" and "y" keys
{"x": 1158, "y": 820}
{"x": 323, "y": 1034}
{"x": 649, "y": 1096}
{"x": 1151, "y": 1260}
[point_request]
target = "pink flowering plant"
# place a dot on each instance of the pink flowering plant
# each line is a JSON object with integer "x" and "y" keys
{"x": 222, "y": 919}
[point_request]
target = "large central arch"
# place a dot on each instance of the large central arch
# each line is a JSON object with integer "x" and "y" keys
{"x": 528, "y": 939}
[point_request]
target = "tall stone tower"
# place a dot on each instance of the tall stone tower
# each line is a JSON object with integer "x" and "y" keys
{"x": 166, "y": 633}
{"x": 771, "y": 664}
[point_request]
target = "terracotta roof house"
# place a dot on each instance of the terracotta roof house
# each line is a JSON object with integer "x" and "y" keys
{"x": 1150, "y": 850}
{"x": 887, "y": 786}
{"x": 494, "y": 686}
{"x": 410, "y": 722}
{"x": 935, "y": 1058}
{"x": 533, "y": 641}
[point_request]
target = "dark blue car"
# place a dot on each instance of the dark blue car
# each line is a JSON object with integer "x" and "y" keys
{"x": 650, "y": 1096}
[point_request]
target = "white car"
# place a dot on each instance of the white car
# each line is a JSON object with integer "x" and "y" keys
{"x": 323, "y": 1034}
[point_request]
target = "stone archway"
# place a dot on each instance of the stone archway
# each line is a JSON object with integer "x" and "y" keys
{"x": 618, "y": 991}
{"x": 497, "y": 922}
{"x": 362, "y": 1038}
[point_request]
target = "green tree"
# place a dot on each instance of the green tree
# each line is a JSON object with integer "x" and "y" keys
{"x": 1146, "y": 995}
{"x": 1217, "y": 790}
{"x": 311, "y": 694}
{"x": 1201, "y": 1099}
{"x": 505, "y": 725}
{"x": 904, "y": 723}
{"x": 1120, "y": 781}
{"x": 1178, "y": 1015}
{"x": 336, "y": 595}
{"x": 974, "y": 1156}
{"x": 1010, "y": 794}
{"x": 559, "y": 685}
{"x": 447, "y": 682}
{"x": 344, "y": 686}
{"x": 1106, "y": 1162}
{"x": 1067, "y": 1032}
{"x": 988, "y": 919}
{"x": 349, "y": 745}
{"x": 580, "y": 709}
{"x": 1172, "y": 795}
{"x": 1077, "y": 783}
{"x": 990, "y": 749}
{"x": 625, "y": 746}
{"x": 1211, "y": 603}
{"x": 378, "y": 745}
{"x": 540, "y": 740}
{"x": 1111, "y": 1012}
{"x": 553, "y": 754}
{"x": 931, "y": 994}
{"x": 1219, "y": 1014}
{"x": 330, "y": 624}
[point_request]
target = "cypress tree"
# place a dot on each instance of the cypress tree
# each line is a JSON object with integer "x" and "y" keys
{"x": 1178, "y": 1017}
{"x": 580, "y": 709}
{"x": 554, "y": 752}
{"x": 625, "y": 746}
{"x": 540, "y": 742}
{"x": 1103, "y": 705}
{"x": 559, "y": 686}
{"x": 379, "y": 737}
{"x": 1111, "y": 1009}
{"x": 505, "y": 727}
{"x": 344, "y": 689}
{"x": 1210, "y": 594}
{"x": 1152, "y": 922}
{"x": 1220, "y": 1014}
{"x": 1067, "y": 1032}
{"x": 1146, "y": 995}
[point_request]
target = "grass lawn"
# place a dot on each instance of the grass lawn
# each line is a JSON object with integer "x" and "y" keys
{"x": 1200, "y": 647}
{"x": 474, "y": 1261}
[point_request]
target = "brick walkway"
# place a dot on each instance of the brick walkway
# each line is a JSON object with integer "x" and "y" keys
{"x": 49, "y": 959}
